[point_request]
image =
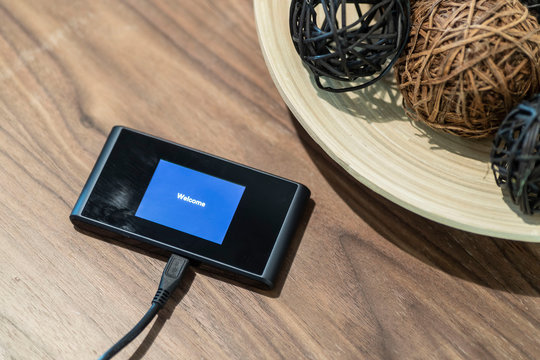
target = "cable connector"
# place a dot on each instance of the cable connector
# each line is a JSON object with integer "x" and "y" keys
{"x": 172, "y": 274}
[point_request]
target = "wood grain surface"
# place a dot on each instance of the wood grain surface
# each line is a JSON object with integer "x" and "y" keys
{"x": 365, "y": 278}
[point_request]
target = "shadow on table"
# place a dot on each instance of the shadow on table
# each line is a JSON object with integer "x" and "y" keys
{"x": 500, "y": 264}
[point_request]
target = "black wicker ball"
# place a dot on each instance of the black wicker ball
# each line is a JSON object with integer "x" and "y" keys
{"x": 515, "y": 156}
{"x": 534, "y": 7}
{"x": 349, "y": 39}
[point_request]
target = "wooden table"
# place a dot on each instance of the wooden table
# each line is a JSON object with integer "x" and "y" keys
{"x": 366, "y": 279}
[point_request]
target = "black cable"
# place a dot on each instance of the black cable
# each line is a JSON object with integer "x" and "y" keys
{"x": 172, "y": 274}
{"x": 137, "y": 329}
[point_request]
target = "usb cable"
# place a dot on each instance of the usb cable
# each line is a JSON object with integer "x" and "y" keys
{"x": 172, "y": 274}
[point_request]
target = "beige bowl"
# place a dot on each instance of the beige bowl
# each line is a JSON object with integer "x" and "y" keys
{"x": 442, "y": 177}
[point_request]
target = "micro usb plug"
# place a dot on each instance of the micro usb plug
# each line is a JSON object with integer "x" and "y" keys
{"x": 172, "y": 274}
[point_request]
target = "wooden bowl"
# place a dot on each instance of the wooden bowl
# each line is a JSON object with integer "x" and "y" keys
{"x": 442, "y": 177}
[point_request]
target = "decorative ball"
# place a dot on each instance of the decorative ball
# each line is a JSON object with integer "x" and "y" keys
{"x": 534, "y": 7}
{"x": 468, "y": 63}
{"x": 515, "y": 156}
{"x": 349, "y": 39}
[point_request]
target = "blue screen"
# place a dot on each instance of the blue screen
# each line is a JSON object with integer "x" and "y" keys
{"x": 190, "y": 201}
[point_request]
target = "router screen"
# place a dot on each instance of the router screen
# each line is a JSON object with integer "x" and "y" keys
{"x": 161, "y": 196}
{"x": 190, "y": 201}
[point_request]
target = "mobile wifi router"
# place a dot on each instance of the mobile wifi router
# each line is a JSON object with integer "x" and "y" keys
{"x": 152, "y": 192}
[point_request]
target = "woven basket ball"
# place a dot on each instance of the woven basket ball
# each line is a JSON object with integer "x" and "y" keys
{"x": 534, "y": 7}
{"x": 515, "y": 156}
{"x": 468, "y": 63}
{"x": 353, "y": 41}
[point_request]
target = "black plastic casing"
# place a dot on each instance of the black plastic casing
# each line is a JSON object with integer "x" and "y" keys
{"x": 269, "y": 263}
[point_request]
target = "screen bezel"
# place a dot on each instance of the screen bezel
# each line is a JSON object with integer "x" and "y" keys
{"x": 117, "y": 185}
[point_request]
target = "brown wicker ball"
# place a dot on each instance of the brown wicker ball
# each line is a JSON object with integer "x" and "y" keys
{"x": 468, "y": 63}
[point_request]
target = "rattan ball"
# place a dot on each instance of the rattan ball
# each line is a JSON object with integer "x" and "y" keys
{"x": 468, "y": 63}
{"x": 515, "y": 156}
{"x": 534, "y": 7}
{"x": 347, "y": 40}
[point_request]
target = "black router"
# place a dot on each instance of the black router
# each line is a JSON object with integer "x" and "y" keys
{"x": 153, "y": 192}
